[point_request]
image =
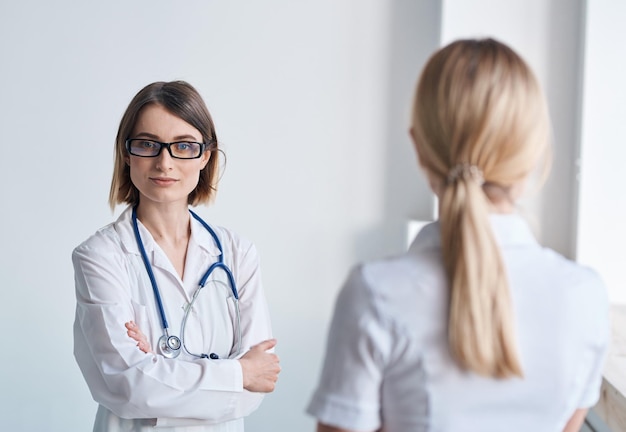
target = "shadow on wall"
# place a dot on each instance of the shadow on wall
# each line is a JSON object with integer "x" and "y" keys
{"x": 414, "y": 35}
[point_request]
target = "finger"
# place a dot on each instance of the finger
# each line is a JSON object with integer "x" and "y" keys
{"x": 265, "y": 345}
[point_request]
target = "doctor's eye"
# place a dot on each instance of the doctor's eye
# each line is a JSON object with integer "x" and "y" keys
{"x": 182, "y": 146}
{"x": 186, "y": 149}
{"x": 143, "y": 147}
{"x": 148, "y": 145}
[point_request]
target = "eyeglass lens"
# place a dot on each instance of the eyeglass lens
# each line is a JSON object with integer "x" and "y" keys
{"x": 149, "y": 148}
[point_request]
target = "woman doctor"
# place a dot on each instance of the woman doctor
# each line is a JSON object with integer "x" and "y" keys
{"x": 477, "y": 327}
{"x": 207, "y": 365}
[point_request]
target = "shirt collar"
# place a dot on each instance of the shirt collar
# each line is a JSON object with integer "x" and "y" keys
{"x": 510, "y": 230}
{"x": 200, "y": 237}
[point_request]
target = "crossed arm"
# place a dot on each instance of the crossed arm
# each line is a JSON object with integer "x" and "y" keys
{"x": 260, "y": 369}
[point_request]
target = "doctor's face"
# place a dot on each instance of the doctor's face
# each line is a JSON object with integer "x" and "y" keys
{"x": 164, "y": 179}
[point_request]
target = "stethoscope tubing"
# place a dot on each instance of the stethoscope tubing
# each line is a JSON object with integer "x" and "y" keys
{"x": 219, "y": 264}
{"x": 148, "y": 266}
{"x": 184, "y": 323}
{"x": 220, "y": 260}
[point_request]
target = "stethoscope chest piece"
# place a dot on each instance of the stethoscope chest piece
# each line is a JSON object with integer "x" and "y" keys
{"x": 169, "y": 346}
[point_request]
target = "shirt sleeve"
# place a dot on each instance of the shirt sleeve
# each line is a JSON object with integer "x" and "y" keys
{"x": 128, "y": 382}
{"x": 349, "y": 391}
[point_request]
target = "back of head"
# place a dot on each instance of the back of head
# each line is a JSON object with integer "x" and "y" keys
{"x": 480, "y": 126}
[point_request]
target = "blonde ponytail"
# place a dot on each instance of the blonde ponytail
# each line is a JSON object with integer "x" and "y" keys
{"x": 479, "y": 117}
{"x": 480, "y": 333}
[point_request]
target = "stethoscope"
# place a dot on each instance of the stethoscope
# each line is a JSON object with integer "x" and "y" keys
{"x": 170, "y": 345}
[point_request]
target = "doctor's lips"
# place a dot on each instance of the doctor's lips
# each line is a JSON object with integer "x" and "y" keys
{"x": 163, "y": 181}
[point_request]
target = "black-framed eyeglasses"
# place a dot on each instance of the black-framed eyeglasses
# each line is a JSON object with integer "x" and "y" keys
{"x": 179, "y": 150}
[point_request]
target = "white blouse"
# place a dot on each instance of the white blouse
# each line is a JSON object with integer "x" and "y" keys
{"x": 137, "y": 391}
{"x": 388, "y": 363}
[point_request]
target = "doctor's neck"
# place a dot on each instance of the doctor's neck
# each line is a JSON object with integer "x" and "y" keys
{"x": 165, "y": 220}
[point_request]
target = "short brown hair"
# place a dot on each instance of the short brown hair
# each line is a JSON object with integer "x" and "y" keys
{"x": 183, "y": 100}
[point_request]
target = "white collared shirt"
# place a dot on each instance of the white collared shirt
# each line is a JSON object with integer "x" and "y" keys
{"x": 388, "y": 363}
{"x": 138, "y": 391}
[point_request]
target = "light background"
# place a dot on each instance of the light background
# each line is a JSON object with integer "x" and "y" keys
{"x": 311, "y": 101}
{"x": 602, "y": 198}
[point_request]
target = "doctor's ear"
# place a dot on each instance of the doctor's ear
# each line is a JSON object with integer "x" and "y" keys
{"x": 414, "y": 140}
{"x": 206, "y": 157}
{"x": 413, "y": 136}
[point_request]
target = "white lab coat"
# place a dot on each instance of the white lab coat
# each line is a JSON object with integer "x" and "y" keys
{"x": 388, "y": 362}
{"x": 137, "y": 391}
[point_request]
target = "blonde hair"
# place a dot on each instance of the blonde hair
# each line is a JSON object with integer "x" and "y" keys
{"x": 479, "y": 106}
{"x": 183, "y": 100}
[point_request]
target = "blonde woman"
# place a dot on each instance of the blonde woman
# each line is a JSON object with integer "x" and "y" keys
{"x": 477, "y": 327}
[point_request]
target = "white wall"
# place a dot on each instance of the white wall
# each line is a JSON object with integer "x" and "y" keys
{"x": 311, "y": 102}
{"x": 602, "y": 205}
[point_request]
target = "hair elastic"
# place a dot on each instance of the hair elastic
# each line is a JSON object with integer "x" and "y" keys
{"x": 466, "y": 171}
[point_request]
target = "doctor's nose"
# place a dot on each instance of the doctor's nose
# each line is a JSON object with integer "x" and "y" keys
{"x": 164, "y": 161}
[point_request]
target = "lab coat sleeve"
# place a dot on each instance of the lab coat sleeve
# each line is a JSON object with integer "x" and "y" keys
{"x": 128, "y": 382}
{"x": 255, "y": 318}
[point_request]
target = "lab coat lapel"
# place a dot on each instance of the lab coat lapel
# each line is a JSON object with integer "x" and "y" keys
{"x": 158, "y": 259}
{"x": 124, "y": 229}
{"x": 201, "y": 253}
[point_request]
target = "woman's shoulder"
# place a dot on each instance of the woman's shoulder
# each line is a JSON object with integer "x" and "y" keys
{"x": 229, "y": 238}
{"x": 232, "y": 237}
{"x": 103, "y": 237}
{"x": 237, "y": 248}
{"x": 579, "y": 284}
{"x": 400, "y": 287}
{"x": 110, "y": 237}
{"x": 559, "y": 273}
{"x": 551, "y": 288}
{"x": 405, "y": 274}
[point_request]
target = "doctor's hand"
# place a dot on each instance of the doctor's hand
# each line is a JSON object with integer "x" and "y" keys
{"x": 260, "y": 368}
{"x": 135, "y": 333}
